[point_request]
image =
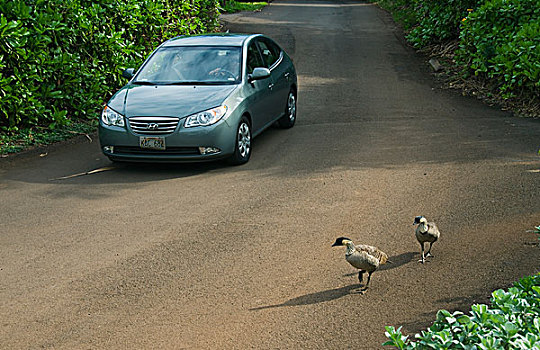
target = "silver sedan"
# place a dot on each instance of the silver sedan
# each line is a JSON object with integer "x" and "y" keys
{"x": 200, "y": 98}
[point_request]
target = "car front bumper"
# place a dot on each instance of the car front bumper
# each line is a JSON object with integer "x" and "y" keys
{"x": 182, "y": 145}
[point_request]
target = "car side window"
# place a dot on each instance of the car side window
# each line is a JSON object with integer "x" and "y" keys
{"x": 254, "y": 59}
{"x": 270, "y": 52}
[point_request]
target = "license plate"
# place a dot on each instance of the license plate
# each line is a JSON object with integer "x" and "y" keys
{"x": 152, "y": 142}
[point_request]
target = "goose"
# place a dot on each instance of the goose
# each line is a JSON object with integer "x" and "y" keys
{"x": 425, "y": 232}
{"x": 364, "y": 257}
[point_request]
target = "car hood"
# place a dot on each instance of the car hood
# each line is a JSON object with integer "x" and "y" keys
{"x": 168, "y": 100}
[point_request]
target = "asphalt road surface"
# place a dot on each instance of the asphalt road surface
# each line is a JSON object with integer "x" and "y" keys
{"x": 210, "y": 256}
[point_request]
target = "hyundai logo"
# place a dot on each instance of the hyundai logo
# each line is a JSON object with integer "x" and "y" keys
{"x": 152, "y": 126}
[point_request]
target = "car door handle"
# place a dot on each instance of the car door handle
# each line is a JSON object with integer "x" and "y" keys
{"x": 271, "y": 86}
{"x": 286, "y": 75}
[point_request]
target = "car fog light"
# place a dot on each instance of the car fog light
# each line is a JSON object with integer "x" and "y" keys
{"x": 108, "y": 149}
{"x": 208, "y": 150}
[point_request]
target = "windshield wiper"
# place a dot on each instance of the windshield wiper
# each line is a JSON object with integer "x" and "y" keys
{"x": 183, "y": 83}
{"x": 142, "y": 82}
{"x": 200, "y": 83}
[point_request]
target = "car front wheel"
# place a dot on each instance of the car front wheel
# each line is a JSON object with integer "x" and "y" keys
{"x": 242, "y": 149}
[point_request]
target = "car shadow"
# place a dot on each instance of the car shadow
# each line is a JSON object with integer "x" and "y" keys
{"x": 56, "y": 164}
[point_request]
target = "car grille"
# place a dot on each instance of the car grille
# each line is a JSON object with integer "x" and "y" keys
{"x": 153, "y": 125}
{"x": 167, "y": 151}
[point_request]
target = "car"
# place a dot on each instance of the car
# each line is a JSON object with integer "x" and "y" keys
{"x": 200, "y": 98}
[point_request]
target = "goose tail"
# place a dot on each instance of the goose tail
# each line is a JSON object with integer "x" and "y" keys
{"x": 384, "y": 258}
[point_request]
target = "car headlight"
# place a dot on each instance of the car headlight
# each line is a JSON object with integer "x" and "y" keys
{"x": 205, "y": 118}
{"x": 111, "y": 117}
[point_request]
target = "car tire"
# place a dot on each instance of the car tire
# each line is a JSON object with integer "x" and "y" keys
{"x": 242, "y": 147}
{"x": 289, "y": 118}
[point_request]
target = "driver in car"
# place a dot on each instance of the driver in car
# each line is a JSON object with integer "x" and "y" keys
{"x": 225, "y": 69}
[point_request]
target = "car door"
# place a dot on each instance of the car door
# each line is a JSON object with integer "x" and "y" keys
{"x": 260, "y": 91}
{"x": 273, "y": 57}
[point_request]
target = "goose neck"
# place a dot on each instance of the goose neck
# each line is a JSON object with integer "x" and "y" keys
{"x": 350, "y": 248}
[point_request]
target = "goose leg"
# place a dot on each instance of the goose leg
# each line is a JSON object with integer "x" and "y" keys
{"x": 363, "y": 290}
{"x": 423, "y": 257}
{"x": 368, "y": 278}
{"x": 361, "y": 275}
{"x": 428, "y": 254}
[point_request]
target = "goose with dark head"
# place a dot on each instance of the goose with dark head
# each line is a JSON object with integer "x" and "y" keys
{"x": 363, "y": 257}
{"x": 426, "y": 232}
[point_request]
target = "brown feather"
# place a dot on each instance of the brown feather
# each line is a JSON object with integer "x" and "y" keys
{"x": 373, "y": 251}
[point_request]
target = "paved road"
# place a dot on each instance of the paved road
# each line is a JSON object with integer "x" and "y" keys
{"x": 210, "y": 256}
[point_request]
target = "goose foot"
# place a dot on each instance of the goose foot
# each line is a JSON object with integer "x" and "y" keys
{"x": 360, "y": 291}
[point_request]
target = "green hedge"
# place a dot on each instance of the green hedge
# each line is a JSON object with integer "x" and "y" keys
{"x": 501, "y": 41}
{"x": 438, "y": 20}
{"x": 60, "y": 59}
{"x": 512, "y": 322}
{"x": 429, "y": 21}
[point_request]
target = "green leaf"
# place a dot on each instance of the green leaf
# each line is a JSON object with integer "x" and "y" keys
{"x": 511, "y": 328}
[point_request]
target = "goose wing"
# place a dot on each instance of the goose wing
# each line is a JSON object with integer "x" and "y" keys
{"x": 373, "y": 251}
{"x": 433, "y": 230}
{"x": 432, "y": 227}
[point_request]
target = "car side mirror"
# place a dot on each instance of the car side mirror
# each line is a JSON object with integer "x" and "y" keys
{"x": 128, "y": 73}
{"x": 258, "y": 74}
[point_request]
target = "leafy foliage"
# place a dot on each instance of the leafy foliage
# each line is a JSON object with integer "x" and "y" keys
{"x": 438, "y": 20}
{"x": 236, "y": 6}
{"x": 512, "y": 322}
{"x": 432, "y": 21}
{"x": 60, "y": 59}
{"x": 501, "y": 40}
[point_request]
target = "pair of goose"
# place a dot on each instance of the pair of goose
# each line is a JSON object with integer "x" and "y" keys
{"x": 368, "y": 259}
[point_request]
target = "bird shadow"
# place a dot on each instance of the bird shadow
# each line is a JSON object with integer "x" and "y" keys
{"x": 316, "y": 298}
{"x": 398, "y": 260}
{"x": 393, "y": 262}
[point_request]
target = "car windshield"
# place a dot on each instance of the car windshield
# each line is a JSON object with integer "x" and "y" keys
{"x": 192, "y": 65}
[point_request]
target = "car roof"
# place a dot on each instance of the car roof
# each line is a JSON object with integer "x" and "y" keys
{"x": 216, "y": 39}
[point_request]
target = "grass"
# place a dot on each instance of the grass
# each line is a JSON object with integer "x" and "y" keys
{"x": 235, "y": 6}
{"x": 36, "y": 136}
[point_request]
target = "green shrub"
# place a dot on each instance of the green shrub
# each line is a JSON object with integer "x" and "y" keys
{"x": 438, "y": 20}
{"x": 427, "y": 22}
{"x": 236, "y": 6}
{"x": 501, "y": 41}
{"x": 512, "y": 322}
{"x": 60, "y": 60}
{"x": 403, "y": 11}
